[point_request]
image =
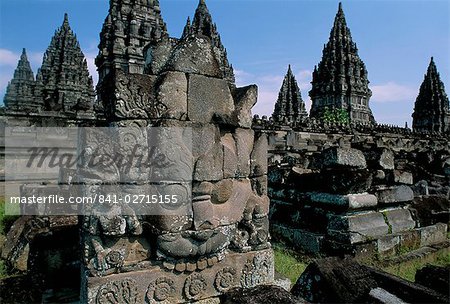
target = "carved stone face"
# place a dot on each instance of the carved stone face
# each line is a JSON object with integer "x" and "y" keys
{"x": 210, "y": 158}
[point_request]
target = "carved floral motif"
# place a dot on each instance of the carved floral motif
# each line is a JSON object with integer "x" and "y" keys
{"x": 118, "y": 292}
{"x": 225, "y": 279}
{"x": 162, "y": 289}
{"x": 195, "y": 286}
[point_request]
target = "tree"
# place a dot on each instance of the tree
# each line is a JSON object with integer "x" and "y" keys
{"x": 335, "y": 115}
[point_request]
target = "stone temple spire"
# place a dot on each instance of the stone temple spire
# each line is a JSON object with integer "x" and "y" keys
{"x": 340, "y": 80}
{"x": 202, "y": 24}
{"x": 431, "y": 110}
{"x": 63, "y": 81}
{"x": 20, "y": 91}
{"x": 290, "y": 107}
{"x": 131, "y": 25}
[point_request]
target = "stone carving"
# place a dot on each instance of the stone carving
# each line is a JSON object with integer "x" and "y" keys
{"x": 124, "y": 291}
{"x": 257, "y": 271}
{"x": 225, "y": 279}
{"x": 195, "y": 286}
{"x": 185, "y": 88}
{"x": 161, "y": 290}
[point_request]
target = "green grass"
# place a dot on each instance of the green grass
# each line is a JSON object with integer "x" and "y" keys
{"x": 288, "y": 263}
{"x": 408, "y": 270}
{"x": 291, "y": 264}
{"x": 6, "y": 222}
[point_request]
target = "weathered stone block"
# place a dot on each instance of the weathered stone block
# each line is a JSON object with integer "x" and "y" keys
{"x": 244, "y": 144}
{"x": 435, "y": 277}
{"x": 172, "y": 93}
{"x": 381, "y": 159}
{"x": 409, "y": 240}
{"x": 259, "y": 184}
{"x": 209, "y": 167}
{"x": 334, "y": 280}
{"x": 345, "y": 181}
{"x": 357, "y": 228}
{"x": 388, "y": 245}
{"x": 386, "y": 160}
{"x": 194, "y": 55}
{"x": 245, "y": 98}
{"x": 396, "y": 194}
{"x": 399, "y": 220}
{"x": 433, "y": 234}
{"x": 345, "y": 202}
{"x": 379, "y": 295}
{"x": 300, "y": 238}
{"x": 258, "y": 157}
{"x": 339, "y": 157}
{"x": 400, "y": 177}
{"x": 277, "y": 294}
{"x": 230, "y": 159}
{"x": 208, "y": 96}
{"x": 157, "y": 284}
{"x": 208, "y": 153}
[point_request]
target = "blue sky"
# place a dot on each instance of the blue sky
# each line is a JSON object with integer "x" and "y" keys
{"x": 395, "y": 39}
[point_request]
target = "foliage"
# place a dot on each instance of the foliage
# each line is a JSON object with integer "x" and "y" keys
{"x": 335, "y": 115}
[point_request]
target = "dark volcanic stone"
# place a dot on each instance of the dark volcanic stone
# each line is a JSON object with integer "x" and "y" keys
{"x": 339, "y": 157}
{"x": 431, "y": 210}
{"x": 334, "y": 280}
{"x": 435, "y": 277}
{"x": 260, "y": 295}
{"x": 344, "y": 181}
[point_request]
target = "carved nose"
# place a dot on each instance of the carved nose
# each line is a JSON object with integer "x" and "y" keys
{"x": 203, "y": 213}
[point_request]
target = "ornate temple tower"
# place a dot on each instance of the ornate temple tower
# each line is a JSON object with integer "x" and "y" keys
{"x": 63, "y": 81}
{"x": 20, "y": 91}
{"x": 203, "y": 25}
{"x": 340, "y": 80}
{"x": 431, "y": 110}
{"x": 290, "y": 107}
{"x": 129, "y": 27}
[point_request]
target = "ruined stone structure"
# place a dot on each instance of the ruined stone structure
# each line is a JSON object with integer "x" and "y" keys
{"x": 216, "y": 238}
{"x": 431, "y": 110}
{"x": 340, "y": 80}
{"x": 290, "y": 107}
{"x": 62, "y": 93}
{"x": 372, "y": 195}
{"x": 364, "y": 189}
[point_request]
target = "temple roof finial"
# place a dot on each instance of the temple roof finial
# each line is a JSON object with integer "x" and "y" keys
{"x": 66, "y": 20}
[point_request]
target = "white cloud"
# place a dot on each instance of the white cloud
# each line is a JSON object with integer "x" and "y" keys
{"x": 393, "y": 92}
{"x": 90, "y": 58}
{"x": 35, "y": 59}
{"x": 8, "y": 58}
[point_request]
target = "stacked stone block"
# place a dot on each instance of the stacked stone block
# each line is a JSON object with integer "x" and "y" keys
{"x": 349, "y": 201}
